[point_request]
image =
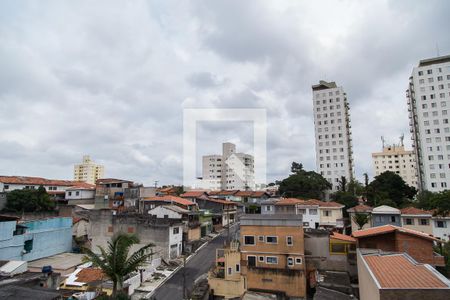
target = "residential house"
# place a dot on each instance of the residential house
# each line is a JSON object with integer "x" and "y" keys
{"x": 149, "y": 203}
{"x": 192, "y": 195}
{"x": 325, "y": 251}
{"x": 441, "y": 227}
{"x": 387, "y": 276}
{"x": 190, "y": 219}
{"x": 226, "y": 279}
{"x": 165, "y": 234}
{"x": 80, "y": 194}
{"x": 417, "y": 219}
{"x": 359, "y": 209}
{"x": 385, "y": 215}
{"x": 392, "y": 238}
{"x": 225, "y": 194}
{"x": 223, "y": 211}
{"x": 330, "y": 213}
{"x": 110, "y": 193}
{"x": 36, "y": 239}
{"x": 168, "y": 191}
{"x": 268, "y": 206}
{"x": 251, "y": 196}
{"x": 272, "y": 254}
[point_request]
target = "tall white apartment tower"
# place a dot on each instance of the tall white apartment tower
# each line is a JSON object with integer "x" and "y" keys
{"x": 229, "y": 171}
{"x": 428, "y": 98}
{"x": 88, "y": 171}
{"x": 333, "y": 134}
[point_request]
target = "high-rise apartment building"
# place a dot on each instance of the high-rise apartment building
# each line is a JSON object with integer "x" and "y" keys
{"x": 229, "y": 171}
{"x": 332, "y": 131}
{"x": 396, "y": 159}
{"x": 88, "y": 171}
{"x": 428, "y": 97}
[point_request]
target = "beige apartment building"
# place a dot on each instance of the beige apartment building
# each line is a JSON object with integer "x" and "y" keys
{"x": 396, "y": 159}
{"x": 88, "y": 171}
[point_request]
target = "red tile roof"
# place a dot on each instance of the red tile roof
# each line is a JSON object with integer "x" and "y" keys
{"x": 38, "y": 181}
{"x": 222, "y": 201}
{"x": 193, "y": 194}
{"x": 342, "y": 237}
{"x": 254, "y": 194}
{"x": 388, "y": 229}
{"x": 169, "y": 199}
{"x": 89, "y": 275}
{"x": 360, "y": 208}
{"x": 290, "y": 201}
{"x": 82, "y": 186}
{"x": 399, "y": 271}
{"x": 223, "y": 193}
{"x": 415, "y": 211}
{"x": 324, "y": 203}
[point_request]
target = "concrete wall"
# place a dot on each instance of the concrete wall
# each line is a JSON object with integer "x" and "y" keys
{"x": 290, "y": 282}
{"x": 417, "y": 225}
{"x": 229, "y": 289}
{"x": 80, "y": 194}
{"x": 414, "y": 294}
{"x": 161, "y": 212}
{"x": 368, "y": 289}
{"x": 49, "y": 237}
{"x": 441, "y": 232}
{"x": 104, "y": 225}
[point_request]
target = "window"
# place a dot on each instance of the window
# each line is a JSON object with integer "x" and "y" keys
{"x": 176, "y": 230}
{"x": 441, "y": 224}
{"x": 290, "y": 261}
{"x": 424, "y": 222}
{"x": 409, "y": 221}
{"x": 6, "y": 186}
{"x": 301, "y": 211}
{"x": 238, "y": 268}
{"x": 77, "y": 193}
{"x": 261, "y": 238}
{"x": 393, "y": 219}
{"x": 229, "y": 271}
{"x": 271, "y": 239}
{"x": 327, "y": 213}
{"x": 313, "y": 211}
{"x": 261, "y": 258}
{"x": 289, "y": 241}
{"x": 337, "y": 248}
{"x": 298, "y": 260}
{"x": 272, "y": 260}
{"x": 249, "y": 240}
{"x": 28, "y": 246}
{"x": 70, "y": 193}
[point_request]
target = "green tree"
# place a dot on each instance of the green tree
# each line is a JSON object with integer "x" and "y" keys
{"x": 355, "y": 188}
{"x": 361, "y": 219}
{"x": 441, "y": 202}
{"x": 303, "y": 184}
{"x": 29, "y": 200}
{"x": 346, "y": 199}
{"x": 444, "y": 250}
{"x": 389, "y": 187}
{"x": 296, "y": 167}
{"x": 116, "y": 262}
{"x": 342, "y": 184}
{"x": 424, "y": 200}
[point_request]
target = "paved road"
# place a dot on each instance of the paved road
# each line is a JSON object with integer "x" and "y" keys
{"x": 198, "y": 265}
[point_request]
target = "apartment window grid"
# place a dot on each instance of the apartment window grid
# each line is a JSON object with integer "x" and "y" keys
{"x": 432, "y": 98}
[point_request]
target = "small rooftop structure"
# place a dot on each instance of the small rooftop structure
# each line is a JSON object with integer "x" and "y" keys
{"x": 384, "y": 209}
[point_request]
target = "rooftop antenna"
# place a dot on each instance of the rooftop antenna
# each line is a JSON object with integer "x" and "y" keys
{"x": 402, "y": 137}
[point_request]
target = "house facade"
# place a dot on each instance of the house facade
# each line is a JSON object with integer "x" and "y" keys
{"x": 385, "y": 215}
{"x": 360, "y": 209}
{"x": 417, "y": 219}
{"x": 441, "y": 227}
{"x": 272, "y": 254}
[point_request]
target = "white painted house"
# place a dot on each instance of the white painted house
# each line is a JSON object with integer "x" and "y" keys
{"x": 80, "y": 192}
{"x": 441, "y": 227}
{"x": 310, "y": 215}
{"x": 168, "y": 212}
{"x": 175, "y": 241}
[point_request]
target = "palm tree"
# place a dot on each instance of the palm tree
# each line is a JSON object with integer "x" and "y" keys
{"x": 361, "y": 220}
{"x": 116, "y": 261}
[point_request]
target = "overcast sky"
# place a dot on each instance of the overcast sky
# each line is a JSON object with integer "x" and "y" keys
{"x": 111, "y": 78}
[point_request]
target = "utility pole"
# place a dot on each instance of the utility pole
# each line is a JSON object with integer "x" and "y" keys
{"x": 156, "y": 184}
{"x": 184, "y": 278}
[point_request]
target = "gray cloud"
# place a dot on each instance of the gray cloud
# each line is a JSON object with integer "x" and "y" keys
{"x": 111, "y": 79}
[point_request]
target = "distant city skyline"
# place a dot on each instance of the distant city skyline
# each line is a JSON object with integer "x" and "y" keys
{"x": 77, "y": 79}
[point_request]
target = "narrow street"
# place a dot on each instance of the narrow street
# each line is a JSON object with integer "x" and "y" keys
{"x": 198, "y": 265}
